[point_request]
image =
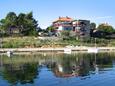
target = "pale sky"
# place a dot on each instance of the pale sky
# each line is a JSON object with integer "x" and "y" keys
{"x": 46, "y": 11}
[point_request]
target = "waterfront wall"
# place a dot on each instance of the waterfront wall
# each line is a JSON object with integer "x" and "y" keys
{"x": 3, "y": 50}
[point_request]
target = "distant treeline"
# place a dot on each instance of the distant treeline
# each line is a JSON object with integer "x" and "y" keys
{"x": 102, "y": 31}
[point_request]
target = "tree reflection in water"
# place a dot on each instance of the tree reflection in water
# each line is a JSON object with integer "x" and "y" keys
{"x": 24, "y": 69}
{"x": 24, "y": 73}
{"x": 20, "y": 72}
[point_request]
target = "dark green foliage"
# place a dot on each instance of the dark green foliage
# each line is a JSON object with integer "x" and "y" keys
{"x": 50, "y": 28}
{"x": 23, "y": 24}
{"x": 106, "y": 28}
{"x": 93, "y": 26}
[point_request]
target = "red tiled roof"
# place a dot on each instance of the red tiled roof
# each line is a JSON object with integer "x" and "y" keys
{"x": 64, "y": 19}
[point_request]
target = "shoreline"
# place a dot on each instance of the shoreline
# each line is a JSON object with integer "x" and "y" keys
{"x": 100, "y": 49}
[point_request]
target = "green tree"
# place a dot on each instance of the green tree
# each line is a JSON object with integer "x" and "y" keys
{"x": 21, "y": 21}
{"x": 50, "y": 28}
{"x": 93, "y": 26}
{"x": 2, "y": 25}
{"x": 106, "y": 28}
{"x": 9, "y": 21}
{"x": 25, "y": 23}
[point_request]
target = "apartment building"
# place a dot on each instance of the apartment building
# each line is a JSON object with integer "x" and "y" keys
{"x": 80, "y": 27}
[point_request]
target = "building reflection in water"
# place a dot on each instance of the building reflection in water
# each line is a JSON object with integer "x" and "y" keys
{"x": 25, "y": 68}
{"x": 81, "y": 66}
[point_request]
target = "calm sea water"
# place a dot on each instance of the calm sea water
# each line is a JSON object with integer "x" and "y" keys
{"x": 52, "y": 69}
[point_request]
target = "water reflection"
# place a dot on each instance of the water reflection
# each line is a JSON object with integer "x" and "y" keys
{"x": 25, "y": 69}
{"x": 81, "y": 65}
{"x": 18, "y": 72}
{"x": 24, "y": 73}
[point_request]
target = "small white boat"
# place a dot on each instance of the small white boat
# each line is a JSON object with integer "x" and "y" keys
{"x": 93, "y": 50}
{"x": 67, "y": 51}
{"x": 9, "y": 53}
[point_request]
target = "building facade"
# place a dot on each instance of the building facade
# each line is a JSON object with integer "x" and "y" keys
{"x": 80, "y": 27}
{"x": 63, "y": 23}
